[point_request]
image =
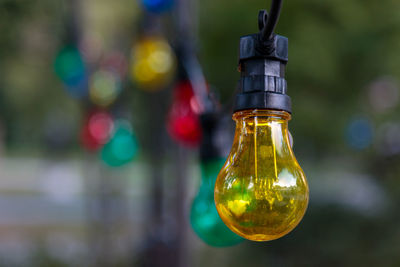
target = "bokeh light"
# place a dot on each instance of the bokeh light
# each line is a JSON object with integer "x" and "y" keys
{"x": 104, "y": 87}
{"x": 384, "y": 94}
{"x": 71, "y": 70}
{"x": 359, "y": 133}
{"x": 183, "y": 124}
{"x": 389, "y": 139}
{"x": 97, "y": 130}
{"x": 204, "y": 217}
{"x": 122, "y": 147}
{"x": 157, "y": 6}
{"x": 153, "y": 64}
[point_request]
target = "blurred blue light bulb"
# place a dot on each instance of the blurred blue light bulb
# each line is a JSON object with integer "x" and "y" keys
{"x": 158, "y": 6}
{"x": 359, "y": 133}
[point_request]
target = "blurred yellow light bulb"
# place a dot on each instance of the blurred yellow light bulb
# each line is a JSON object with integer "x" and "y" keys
{"x": 261, "y": 193}
{"x": 153, "y": 63}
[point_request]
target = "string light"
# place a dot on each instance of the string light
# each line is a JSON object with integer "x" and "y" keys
{"x": 122, "y": 147}
{"x": 261, "y": 192}
{"x": 71, "y": 70}
{"x": 183, "y": 123}
{"x": 204, "y": 217}
{"x": 158, "y": 6}
{"x": 104, "y": 87}
{"x": 97, "y": 129}
{"x": 153, "y": 64}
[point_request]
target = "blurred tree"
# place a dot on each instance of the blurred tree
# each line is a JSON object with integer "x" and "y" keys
{"x": 335, "y": 49}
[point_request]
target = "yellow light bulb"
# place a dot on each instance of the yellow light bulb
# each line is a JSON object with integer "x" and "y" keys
{"x": 153, "y": 63}
{"x": 261, "y": 193}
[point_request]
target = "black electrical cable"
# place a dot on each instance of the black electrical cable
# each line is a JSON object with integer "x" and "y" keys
{"x": 273, "y": 17}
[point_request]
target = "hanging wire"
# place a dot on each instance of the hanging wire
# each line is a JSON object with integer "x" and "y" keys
{"x": 267, "y": 32}
{"x": 193, "y": 67}
{"x": 188, "y": 57}
{"x": 198, "y": 81}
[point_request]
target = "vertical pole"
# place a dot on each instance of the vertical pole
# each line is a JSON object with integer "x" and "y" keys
{"x": 187, "y": 33}
{"x": 88, "y": 174}
{"x": 156, "y": 151}
{"x": 156, "y": 252}
{"x": 180, "y": 204}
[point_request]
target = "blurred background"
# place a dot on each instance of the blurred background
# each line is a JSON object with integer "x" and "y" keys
{"x": 103, "y": 137}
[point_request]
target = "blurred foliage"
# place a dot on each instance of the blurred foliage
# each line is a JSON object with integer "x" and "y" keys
{"x": 30, "y": 34}
{"x": 335, "y": 49}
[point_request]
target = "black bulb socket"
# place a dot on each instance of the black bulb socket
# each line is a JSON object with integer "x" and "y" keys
{"x": 262, "y": 66}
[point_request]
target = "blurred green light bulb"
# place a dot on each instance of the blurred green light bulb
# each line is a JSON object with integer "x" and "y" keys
{"x": 261, "y": 192}
{"x": 69, "y": 64}
{"x": 122, "y": 147}
{"x": 204, "y": 217}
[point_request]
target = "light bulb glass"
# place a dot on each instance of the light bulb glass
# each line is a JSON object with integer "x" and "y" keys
{"x": 158, "y": 6}
{"x": 70, "y": 68}
{"x": 261, "y": 193}
{"x": 69, "y": 64}
{"x": 96, "y": 130}
{"x": 183, "y": 124}
{"x": 203, "y": 215}
{"x": 153, "y": 63}
{"x": 104, "y": 88}
{"x": 122, "y": 147}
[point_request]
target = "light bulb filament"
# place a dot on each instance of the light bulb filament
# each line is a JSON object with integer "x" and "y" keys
{"x": 255, "y": 150}
{"x": 274, "y": 149}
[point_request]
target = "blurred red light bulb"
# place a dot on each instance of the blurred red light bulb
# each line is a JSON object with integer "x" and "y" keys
{"x": 97, "y": 130}
{"x": 183, "y": 123}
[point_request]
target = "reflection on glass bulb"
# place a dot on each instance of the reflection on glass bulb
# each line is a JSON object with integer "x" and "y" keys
{"x": 204, "y": 216}
{"x": 261, "y": 193}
